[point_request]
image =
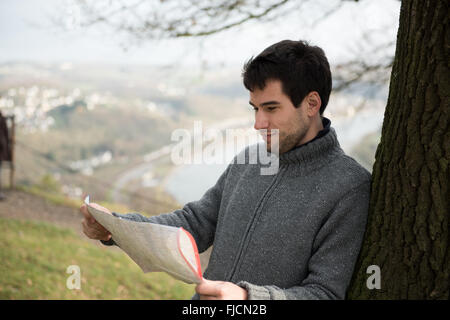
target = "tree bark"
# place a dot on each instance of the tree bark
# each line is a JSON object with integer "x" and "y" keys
{"x": 407, "y": 233}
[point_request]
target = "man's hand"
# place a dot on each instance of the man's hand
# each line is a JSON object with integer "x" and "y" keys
{"x": 220, "y": 290}
{"x": 91, "y": 227}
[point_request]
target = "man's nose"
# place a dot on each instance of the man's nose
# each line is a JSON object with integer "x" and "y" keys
{"x": 261, "y": 121}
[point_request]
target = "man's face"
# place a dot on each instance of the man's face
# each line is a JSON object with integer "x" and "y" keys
{"x": 274, "y": 110}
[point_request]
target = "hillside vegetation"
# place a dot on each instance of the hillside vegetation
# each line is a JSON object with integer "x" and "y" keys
{"x": 41, "y": 236}
{"x": 35, "y": 257}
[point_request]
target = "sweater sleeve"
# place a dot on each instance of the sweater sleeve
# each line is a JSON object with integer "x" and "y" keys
{"x": 197, "y": 217}
{"x": 335, "y": 251}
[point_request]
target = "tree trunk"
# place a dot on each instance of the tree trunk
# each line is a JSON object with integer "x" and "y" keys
{"x": 407, "y": 232}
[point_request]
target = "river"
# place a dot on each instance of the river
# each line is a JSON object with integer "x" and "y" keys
{"x": 190, "y": 182}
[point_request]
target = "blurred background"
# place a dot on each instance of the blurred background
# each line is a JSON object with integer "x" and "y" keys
{"x": 91, "y": 92}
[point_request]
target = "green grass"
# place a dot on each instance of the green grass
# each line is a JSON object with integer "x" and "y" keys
{"x": 53, "y": 197}
{"x": 35, "y": 256}
{"x": 62, "y": 200}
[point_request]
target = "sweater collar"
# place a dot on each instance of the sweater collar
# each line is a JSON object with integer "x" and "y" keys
{"x": 326, "y": 123}
{"x": 325, "y": 141}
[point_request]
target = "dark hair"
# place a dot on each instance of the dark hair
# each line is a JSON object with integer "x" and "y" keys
{"x": 301, "y": 68}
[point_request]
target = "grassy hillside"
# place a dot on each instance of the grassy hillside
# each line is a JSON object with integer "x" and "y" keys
{"x": 35, "y": 256}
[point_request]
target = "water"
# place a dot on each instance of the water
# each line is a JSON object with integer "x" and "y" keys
{"x": 190, "y": 182}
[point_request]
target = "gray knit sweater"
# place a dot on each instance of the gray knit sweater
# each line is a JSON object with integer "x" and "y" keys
{"x": 292, "y": 235}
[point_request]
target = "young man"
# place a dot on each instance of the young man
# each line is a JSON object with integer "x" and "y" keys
{"x": 295, "y": 234}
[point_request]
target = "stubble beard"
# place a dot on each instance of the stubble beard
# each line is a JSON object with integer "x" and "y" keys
{"x": 287, "y": 142}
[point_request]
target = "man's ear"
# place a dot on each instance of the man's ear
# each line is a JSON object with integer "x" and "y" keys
{"x": 313, "y": 102}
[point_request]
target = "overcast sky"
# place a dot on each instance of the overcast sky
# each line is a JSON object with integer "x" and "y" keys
{"x": 27, "y": 34}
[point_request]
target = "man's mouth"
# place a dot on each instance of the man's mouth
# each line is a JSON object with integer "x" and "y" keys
{"x": 269, "y": 137}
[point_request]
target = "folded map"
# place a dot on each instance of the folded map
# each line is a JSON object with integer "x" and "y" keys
{"x": 154, "y": 247}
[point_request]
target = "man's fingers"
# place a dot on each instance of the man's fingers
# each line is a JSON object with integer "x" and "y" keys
{"x": 86, "y": 230}
{"x": 209, "y": 288}
{"x": 91, "y": 227}
{"x": 84, "y": 210}
{"x": 95, "y": 231}
{"x": 220, "y": 290}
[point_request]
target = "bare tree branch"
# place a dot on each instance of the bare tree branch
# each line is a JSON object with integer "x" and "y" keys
{"x": 231, "y": 25}
{"x": 172, "y": 18}
{"x": 144, "y": 20}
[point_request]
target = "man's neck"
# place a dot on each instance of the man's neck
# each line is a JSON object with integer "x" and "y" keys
{"x": 312, "y": 132}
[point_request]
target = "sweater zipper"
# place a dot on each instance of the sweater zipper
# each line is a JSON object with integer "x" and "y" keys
{"x": 256, "y": 214}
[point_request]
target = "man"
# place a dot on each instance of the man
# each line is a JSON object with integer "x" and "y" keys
{"x": 292, "y": 235}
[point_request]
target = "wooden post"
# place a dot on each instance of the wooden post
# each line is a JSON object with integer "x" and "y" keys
{"x": 12, "y": 141}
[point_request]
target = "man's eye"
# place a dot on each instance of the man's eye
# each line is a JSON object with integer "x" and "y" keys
{"x": 271, "y": 108}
